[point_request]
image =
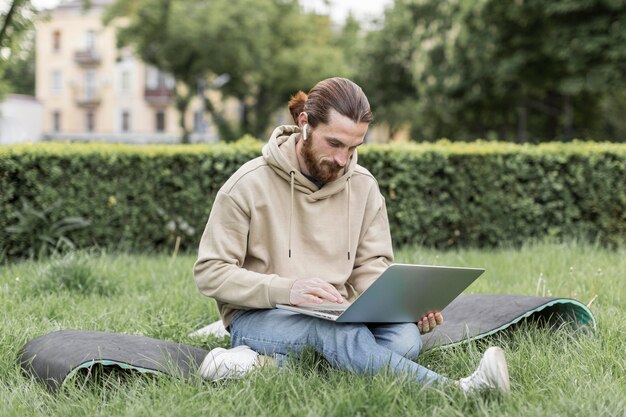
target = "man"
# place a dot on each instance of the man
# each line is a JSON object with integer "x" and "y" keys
{"x": 305, "y": 224}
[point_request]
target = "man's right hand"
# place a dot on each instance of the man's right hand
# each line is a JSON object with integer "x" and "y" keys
{"x": 313, "y": 291}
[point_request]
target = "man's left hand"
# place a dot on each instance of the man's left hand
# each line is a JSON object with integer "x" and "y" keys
{"x": 429, "y": 322}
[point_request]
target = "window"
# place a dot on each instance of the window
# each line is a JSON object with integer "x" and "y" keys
{"x": 160, "y": 121}
{"x": 90, "y": 121}
{"x": 168, "y": 81}
{"x": 158, "y": 80}
{"x": 90, "y": 40}
{"x": 152, "y": 78}
{"x": 56, "y": 121}
{"x": 57, "y": 82}
{"x": 125, "y": 121}
{"x": 56, "y": 41}
{"x": 90, "y": 84}
{"x": 125, "y": 81}
{"x": 198, "y": 122}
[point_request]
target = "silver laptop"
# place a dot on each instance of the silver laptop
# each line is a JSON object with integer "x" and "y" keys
{"x": 402, "y": 294}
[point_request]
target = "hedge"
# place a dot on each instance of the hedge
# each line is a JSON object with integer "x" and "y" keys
{"x": 439, "y": 194}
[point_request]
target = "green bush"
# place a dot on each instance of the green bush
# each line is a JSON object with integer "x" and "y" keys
{"x": 488, "y": 193}
{"x": 43, "y": 234}
{"x": 443, "y": 194}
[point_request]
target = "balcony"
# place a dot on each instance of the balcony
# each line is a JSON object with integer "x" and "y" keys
{"x": 87, "y": 98}
{"x": 159, "y": 97}
{"x": 87, "y": 57}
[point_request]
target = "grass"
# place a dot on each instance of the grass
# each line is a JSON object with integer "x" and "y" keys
{"x": 553, "y": 372}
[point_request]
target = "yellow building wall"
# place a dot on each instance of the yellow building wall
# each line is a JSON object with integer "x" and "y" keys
{"x": 73, "y": 24}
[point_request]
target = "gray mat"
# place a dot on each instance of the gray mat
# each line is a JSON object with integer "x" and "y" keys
{"x": 55, "y": 357}
{"x": 473, "y": 316}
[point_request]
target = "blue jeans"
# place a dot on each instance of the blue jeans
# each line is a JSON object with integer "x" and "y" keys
{"x": 356, "y": 347}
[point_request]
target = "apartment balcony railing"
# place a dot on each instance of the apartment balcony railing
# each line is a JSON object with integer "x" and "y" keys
{"x": 159, "y": 97}
{"x": 88, "y": 99}
{"x": 87, "y": 57}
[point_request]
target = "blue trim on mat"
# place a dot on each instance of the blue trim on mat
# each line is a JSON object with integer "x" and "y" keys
{"x": 107, "y": 362}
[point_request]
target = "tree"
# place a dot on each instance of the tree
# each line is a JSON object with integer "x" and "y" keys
{"x": 268, "y": 48}
{"x": 507, "y": 69}
{"x": 19, "y": 68}
{"x": 14, "y": 21}
{"x": 561, "y": 56}
{"x": 16, "y": 48}
{"x": 454, "y": 71}
{"x": 384, "y": 71}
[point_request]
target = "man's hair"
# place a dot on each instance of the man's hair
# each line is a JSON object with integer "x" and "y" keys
{"x": 341, "y": 94}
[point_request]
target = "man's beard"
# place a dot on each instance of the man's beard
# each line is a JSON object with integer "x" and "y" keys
{"x": 324, "y": 171}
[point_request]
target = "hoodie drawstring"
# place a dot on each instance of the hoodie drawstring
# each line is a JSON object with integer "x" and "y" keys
{"x": 291, "y": 182}
{"x": 348, "y": 186}
{"x": 291, "y": 175}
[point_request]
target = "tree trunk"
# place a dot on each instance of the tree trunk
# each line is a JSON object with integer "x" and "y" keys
{"x": 15, "y": 5}
{"x": 182, "y": 104}
{"x": 392, "y": 131}
{"x": 245, "y": 125}
{"x": 568, "y": 118}
{"x": 503, "y": 134}
{"x": 262, "y": 114}
{"x": 224, "y": 129}
{"x": 522, "y": 124}
{"x": 552, "y": 127}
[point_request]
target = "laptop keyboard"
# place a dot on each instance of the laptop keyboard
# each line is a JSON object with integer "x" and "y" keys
{"x": 331, "y": 312}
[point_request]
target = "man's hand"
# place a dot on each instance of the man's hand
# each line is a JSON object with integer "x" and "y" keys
{"x": 313, "y": 291}
{"x": 429, "y": 322}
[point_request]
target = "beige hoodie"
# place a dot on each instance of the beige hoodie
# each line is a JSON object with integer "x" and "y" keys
{"x": 270, "y": 226}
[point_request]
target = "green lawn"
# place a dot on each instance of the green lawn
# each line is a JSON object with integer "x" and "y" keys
{"x": 552, "y": 372}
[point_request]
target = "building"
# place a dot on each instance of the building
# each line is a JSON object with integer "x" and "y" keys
{"x": 92, "y": 91}
{"x": 20, "y": 119}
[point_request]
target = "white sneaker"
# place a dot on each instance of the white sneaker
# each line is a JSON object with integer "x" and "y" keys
{"x": 223, "y": 363}
{"x": 491, "y": 374}
{"x": 216, "y": 329}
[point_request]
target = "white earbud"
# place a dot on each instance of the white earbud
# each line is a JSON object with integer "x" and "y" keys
{"x": 304, "y": 135}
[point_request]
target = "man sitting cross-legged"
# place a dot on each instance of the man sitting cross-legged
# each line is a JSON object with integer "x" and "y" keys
{"x": 302, "y": 224}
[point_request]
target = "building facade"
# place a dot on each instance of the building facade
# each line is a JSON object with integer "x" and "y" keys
{"x": 92, "y": 91}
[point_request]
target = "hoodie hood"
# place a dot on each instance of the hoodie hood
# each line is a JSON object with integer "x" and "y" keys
{"x": 280, "y": 155}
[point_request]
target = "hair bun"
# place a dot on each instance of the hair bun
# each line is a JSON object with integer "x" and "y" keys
{"x": 296, "y": 105}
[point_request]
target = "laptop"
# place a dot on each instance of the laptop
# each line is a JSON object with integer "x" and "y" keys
{"x": 402, "y": 294}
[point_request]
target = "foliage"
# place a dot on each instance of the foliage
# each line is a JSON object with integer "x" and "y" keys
{"x": 385, "y": 73}
{"x": 17, "y": 73}
{"x": 488, "y": 194}
{"x": 613, "y": 107}
{"x": 19, "y": 68}
{"x": 41, "y": 232}
{"x": 15, "y": 21}
{"x": 512, "y": 70}
{"x": 443, "y": 194}
{"x": 559, "y": 57}
{"x": 268, "y": 48}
